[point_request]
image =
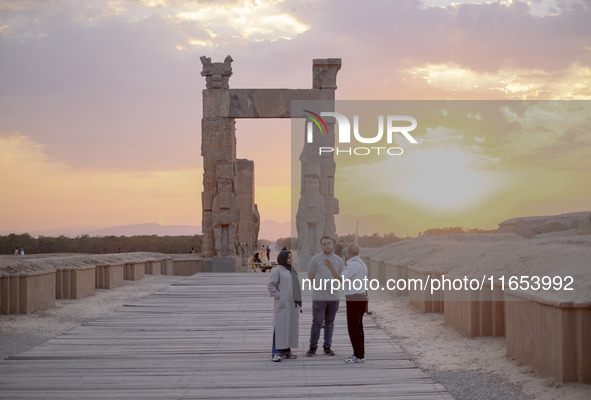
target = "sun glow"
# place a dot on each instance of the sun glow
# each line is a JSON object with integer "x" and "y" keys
{"x": 444, "y": 180}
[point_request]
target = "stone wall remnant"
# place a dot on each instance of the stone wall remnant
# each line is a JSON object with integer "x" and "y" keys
{"x": 247, "y": 235}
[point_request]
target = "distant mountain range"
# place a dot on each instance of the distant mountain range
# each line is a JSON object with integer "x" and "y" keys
{"x": 146, "y": 229}
{"x": 270, "y": 230}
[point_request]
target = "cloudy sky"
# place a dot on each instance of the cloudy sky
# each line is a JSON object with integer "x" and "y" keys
{"x": 100, "y": 102}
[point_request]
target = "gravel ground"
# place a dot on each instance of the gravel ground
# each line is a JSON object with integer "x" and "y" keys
{"x": 471, "y": 385}
{"x": 470, "y": 368}
{"x": 14, "y": 344}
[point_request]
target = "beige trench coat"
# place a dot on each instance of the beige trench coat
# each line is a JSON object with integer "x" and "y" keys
{"x": 286, "y": 314}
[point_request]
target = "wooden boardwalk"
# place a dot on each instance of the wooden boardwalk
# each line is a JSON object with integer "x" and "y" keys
{"x": 208, "y": 337}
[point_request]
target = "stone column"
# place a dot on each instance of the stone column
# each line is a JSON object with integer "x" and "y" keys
{"x": 317, "y": 205}
{"x": 218, "y": 148}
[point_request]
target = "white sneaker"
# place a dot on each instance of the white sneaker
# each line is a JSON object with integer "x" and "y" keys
{"x": 353, "y": 359}
{"x": 276, "y": 357}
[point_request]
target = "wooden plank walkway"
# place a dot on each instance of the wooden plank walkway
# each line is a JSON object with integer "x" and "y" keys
{"x": 208, "y": 337}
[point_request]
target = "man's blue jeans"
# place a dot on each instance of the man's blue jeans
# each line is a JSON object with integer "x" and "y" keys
{"x": 323, "y": 312}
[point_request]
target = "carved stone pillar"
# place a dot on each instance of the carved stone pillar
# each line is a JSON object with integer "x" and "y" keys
{"x": 218, "y": 148}
{"x": 318, "y": 206}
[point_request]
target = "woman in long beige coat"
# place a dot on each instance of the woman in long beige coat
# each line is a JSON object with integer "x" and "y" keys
{"x": 284, "y": 287}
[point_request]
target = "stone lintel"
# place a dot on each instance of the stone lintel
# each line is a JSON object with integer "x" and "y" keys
{"x": 270, "y": 103}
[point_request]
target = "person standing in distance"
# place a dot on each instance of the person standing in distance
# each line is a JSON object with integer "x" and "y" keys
{"x": 324, "y": 303}
{"x": 355, "y": 272}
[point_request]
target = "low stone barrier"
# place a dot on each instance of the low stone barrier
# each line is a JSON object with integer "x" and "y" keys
{"x": 396, "y": 272}
{"x": 109, "y": 276}
{"x": 167, "y": 266}
{"x": 154, "y": 267}
{"x": 134, "y": 271}
{"x": 34, "y": 282}
{"x": 6, "y": 293}
{"x": 548, "y": 330}
{"x": 475, "y": 313}
{"x": 75, "y": 283}
{"x": 187, "y": 266}
{"x": 552, "y": 337}
{"x": 425, "y": 300}
{"x": 25, "y": 293}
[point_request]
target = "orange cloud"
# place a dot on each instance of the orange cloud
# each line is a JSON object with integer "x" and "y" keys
{"x": 514, "y": 83}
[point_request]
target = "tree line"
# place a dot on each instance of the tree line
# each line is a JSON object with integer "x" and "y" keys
{"x": 176, "y": 244}
{"x": 374, "y": 240}
{"x": 100, "y": 244}
{"x": 377, "y": 240}
{"x": 455, "y": 230}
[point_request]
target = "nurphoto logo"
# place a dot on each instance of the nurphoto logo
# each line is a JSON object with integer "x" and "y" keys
{"x": 394, "y": 124}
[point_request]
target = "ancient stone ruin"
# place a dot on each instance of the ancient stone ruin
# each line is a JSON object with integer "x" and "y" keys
{"x": 230, "y": 217}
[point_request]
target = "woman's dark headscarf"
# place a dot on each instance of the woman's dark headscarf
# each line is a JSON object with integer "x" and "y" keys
{"x": 282, "y": 258}
{"x": 295, "y": 280}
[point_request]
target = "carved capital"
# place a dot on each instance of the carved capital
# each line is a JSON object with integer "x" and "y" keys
{"x": 216, "y": 74}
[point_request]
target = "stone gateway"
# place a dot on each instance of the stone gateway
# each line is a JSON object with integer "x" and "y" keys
{"x": 230, "y": 217}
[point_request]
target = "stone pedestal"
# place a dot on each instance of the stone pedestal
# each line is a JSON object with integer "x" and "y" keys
{"x": 301, "y": 264}
{"x": 220, "y": 264}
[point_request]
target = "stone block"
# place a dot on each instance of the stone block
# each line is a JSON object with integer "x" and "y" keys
{"x": 75, "y": 283}
{"x": 274, "y": 103}
{"x": 584, "y": 225}
{"x": 154, "y": 267}
{"x": 462, "y": 311}
{"x": 134, "y": 271}
{"x": 83, "y": 282}
{"x": 225, "y": 264}
{"x": 2, "y": 294}
{"x": 258, "y": 103}
{"x": 168, "y": 266}
{"x": 373, "y": 269}
{"x": 216, "y": 103}
{"x": 6, "y": 293}
{"x": 424, "y": 300}
{"x": 324, "y": 72}
{"x": 552, "y": 338}
{"x": 187, "y": 267}
{"x": 397, "y": 273}
{"x": 36, "y": 291}
{"x": 62, "y": 283}
{"x": 109, "y": 276}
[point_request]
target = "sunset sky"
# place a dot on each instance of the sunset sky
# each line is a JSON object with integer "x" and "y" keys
{"x": 100, "y": 105}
